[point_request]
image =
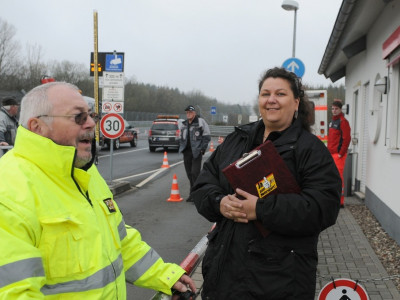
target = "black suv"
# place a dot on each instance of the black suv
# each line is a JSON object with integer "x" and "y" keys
{"x": 164, "y": 132}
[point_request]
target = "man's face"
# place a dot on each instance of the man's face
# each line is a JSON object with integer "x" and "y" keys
{"x": 13, "y": 110}
{"x": 64, "y": 130}
{"x": 336, "y": 110}
{"x": 190, "y": 114}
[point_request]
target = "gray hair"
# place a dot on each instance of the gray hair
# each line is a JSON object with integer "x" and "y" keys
{"x": 36, "y": 102}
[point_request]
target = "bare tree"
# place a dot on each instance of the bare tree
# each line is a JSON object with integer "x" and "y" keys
{"x": 68, "y": 71}
{"x": 9, "y": 53}
{"x": 75, "y": 73}
{"x": 34, "y": 68}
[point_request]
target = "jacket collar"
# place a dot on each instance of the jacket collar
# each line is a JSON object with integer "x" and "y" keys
{"x": 337, "y": 117}
{"x": 7, "y": 114}
{"x": 195, "y": 121}
{"x": 43, "y": 152}
{"x": 290, "y": 135}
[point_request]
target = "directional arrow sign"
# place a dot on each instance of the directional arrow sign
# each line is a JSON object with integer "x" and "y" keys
{"x": 294, "y": 65}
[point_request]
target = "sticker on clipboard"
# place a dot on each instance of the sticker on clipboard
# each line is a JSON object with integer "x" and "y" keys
{"x": 266, "y": 185}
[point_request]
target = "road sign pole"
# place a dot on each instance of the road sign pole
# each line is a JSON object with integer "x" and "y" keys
{"x": 112, "y": 126}
{"x": 111, "y": 159}
{"x": 96, "y": 73}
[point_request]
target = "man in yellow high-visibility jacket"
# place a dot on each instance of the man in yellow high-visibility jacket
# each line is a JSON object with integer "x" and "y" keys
{"x": 62, "y": 234}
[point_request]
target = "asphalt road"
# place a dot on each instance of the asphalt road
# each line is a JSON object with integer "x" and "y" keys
{"x": 134, "y": 164}
{"x": 171, "y": 228}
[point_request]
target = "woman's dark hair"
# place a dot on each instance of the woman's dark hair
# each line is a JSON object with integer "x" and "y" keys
{"x": 305, "y": 112}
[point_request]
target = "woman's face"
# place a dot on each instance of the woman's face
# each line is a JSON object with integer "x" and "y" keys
{"x": 277, "y": 104}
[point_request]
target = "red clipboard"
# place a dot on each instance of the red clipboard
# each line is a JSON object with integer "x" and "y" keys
{"x": 262, "y": 172}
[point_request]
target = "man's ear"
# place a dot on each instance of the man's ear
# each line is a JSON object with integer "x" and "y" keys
{"x": 37, "y": 126}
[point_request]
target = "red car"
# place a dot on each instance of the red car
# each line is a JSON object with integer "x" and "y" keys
{"x": 129, "y": 136}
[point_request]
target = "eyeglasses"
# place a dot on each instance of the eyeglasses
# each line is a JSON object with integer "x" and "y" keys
{"x": 80, "y": 118}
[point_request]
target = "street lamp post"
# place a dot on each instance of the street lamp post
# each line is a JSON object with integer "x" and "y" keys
{"x": 292, "y": 5}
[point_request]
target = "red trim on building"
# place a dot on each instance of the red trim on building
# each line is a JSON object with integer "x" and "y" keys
{"x": 391, "y": 43}
{"x": 393, "y": 62}
{"x": 321, "y": 107}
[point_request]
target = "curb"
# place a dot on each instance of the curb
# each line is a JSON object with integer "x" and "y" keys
{"x": 118, "y": 187}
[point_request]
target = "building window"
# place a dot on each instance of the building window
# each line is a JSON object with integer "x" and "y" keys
{"x": 391, "y": 53}
{"x": 394, "y": 97}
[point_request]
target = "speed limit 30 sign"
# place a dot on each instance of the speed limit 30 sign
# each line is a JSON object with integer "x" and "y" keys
{"x": 112, "y": 126}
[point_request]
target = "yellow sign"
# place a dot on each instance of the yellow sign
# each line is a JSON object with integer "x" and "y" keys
{"x": 266, "y": 185}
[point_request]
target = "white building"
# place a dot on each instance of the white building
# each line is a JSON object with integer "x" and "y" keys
{"x": 364, "y": 48}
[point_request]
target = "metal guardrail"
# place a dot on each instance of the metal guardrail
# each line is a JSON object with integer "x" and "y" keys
{"x": 216, "y": 130}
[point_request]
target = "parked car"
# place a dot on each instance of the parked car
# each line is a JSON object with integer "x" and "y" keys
{"x": 164, "y": 132}
{"x": 129, "y": 136}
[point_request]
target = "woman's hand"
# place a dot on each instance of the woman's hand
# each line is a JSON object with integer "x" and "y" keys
{"x": 249, "y": 204}
{"x": 239, "y": 210}
{"x": 232, "y": 208}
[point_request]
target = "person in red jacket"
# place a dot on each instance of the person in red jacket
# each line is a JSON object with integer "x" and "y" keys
{"x": 339, "y": 139}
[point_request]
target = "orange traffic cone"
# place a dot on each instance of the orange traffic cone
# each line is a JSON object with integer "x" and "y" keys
{"x": 175, "y": 196}
{"x": 165, "y": 161}
{"x": 220, "y": 140}
{"x": 212, "y": 147}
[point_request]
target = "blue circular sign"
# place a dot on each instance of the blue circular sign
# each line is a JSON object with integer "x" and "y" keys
{"x": 294, "y": 65}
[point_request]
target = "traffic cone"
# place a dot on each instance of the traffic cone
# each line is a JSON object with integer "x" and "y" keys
{"x": 165, "y": 161}
{"x": 220, "y": 140}
{"x": 212, "y": 147}
{"x": 175, "y": 196}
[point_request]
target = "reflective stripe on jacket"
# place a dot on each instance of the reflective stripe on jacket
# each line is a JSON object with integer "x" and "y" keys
{"x": 65, "y": 234}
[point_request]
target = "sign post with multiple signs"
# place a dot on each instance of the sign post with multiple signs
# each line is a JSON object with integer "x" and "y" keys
{"x": 111, "y": 68}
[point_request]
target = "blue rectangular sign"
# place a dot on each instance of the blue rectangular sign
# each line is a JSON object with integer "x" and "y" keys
{"x": 114, "y": 63}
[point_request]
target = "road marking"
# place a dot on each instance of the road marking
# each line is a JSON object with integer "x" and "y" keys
{"x": 120, "y": 153}
{"x": 155, "y": 173}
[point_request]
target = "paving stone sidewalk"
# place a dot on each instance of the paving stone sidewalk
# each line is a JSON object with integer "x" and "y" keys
{"x": 344, "y": 252}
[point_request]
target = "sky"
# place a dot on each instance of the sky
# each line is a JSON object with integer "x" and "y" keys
{"x": 217, "y": 47}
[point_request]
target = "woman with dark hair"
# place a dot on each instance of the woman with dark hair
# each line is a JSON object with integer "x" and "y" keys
{"x": 241, "y": 262}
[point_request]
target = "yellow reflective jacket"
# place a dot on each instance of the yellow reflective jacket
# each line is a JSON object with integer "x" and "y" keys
{"x": 62, "y": 235}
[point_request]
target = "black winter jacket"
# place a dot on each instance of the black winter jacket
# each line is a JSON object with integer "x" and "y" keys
{"x": 239, "y": 262}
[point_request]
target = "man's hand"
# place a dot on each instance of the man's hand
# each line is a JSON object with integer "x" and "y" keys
{"x": 4, "y": 144}
{"x": 182, "y": 284}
